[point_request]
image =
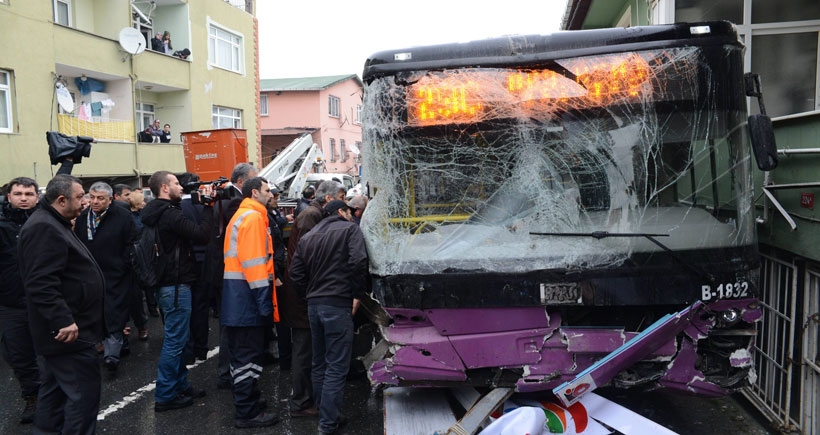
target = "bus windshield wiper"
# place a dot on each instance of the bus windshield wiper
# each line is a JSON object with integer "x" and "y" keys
{"x": 648, "y": 236}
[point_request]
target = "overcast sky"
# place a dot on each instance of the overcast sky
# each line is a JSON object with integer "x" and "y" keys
{"x": 306, "y": 39}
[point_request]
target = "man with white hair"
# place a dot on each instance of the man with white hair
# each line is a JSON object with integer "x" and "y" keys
{"x": 108, "y": 230}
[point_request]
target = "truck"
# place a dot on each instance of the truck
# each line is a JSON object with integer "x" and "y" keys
{"x": 559, "y": 212}
{"x": 299, "y": 165}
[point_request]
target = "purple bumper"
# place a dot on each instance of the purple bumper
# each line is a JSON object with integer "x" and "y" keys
{"x": 438, "y": 347}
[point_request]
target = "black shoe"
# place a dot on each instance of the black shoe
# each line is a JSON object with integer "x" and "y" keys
{"x": 224, "y": 384}
{"x": 111, "y": 365}
{"x": 309, "y": 412}
{"x": 194, "y": 393}
{"x": 180, "y": 401}
{"x": 28, "y": 412}
{"x": 189, "y": 360}
{"x": 264, "y": 419}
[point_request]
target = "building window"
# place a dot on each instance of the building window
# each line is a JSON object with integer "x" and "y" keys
{"x": 333, "y": 106}
{"x": 359, "y": 114}
{"x": 333, "y": 150}
{"x": 226, "y": 117}
{"x": 6, "y": 121}
{"x": 357, "y": 151}
{"x": 792, "y": 89}
{"x": 342, "y": 150}
{"x": 783, "y": 42}
{"x": 224, "y": 49}
{"x": 62, "y": 12}
{"x": 263, "y": 105}
{"x": 145, "y": 115}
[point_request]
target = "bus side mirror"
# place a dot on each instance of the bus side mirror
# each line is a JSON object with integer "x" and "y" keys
{"x": 760, "y": 127}
{"x": 763, "y": 143}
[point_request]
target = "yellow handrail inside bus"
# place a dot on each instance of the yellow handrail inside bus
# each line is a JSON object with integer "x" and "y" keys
{"x": 430, "y": 218}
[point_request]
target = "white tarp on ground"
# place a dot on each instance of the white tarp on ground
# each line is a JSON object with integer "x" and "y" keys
{"x": 592, "y": 415}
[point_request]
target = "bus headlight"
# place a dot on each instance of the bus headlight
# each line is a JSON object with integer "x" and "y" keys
{"x": 730, "y": 316}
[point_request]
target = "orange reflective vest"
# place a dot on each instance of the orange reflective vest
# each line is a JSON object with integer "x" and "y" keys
{"x": 248, "y": 289}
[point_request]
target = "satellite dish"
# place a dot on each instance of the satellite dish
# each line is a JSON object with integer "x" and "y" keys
{"x": 131, "y": 40}
{"x": 64, "y": 98}
{"x": 354, "y": 149}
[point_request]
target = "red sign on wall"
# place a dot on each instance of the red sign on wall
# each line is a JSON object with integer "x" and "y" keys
{"x": 807, "y": 200}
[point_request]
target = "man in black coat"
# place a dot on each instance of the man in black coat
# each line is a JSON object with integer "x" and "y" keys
{"x": 17, "y": 347}
{"x": 223, "y": 212}
{"x": 108, "y": 231}
{"x": 64, "y": 293}
{"x": 197, "y": 346}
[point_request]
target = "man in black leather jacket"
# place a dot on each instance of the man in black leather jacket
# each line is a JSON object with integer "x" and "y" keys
{"x": 17, "y": 347}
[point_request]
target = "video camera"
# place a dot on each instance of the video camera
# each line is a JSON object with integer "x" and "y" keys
{"x": 219, "y": 194}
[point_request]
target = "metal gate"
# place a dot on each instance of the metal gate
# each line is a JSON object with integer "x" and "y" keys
{"x": 810, "y": 393}
{"x": 771, "y": 392}
{"x": 787, "y": 352}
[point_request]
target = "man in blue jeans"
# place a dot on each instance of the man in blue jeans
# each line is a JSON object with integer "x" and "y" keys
{"x": 330, "y": 269}
{"x": 177, "y": 235}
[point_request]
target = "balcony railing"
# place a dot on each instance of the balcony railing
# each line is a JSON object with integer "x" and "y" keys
{"x": 110, "y": 130}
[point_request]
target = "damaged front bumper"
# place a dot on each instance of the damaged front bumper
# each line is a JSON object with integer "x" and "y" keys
{"x": 530, "y": 349}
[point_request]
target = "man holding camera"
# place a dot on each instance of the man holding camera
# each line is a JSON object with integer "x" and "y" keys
{"x": 177, "y": 234}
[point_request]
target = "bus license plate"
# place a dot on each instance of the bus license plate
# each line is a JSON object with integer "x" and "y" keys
{"x": 558, "y": 294}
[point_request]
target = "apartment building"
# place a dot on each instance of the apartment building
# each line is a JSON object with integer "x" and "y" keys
{"x": 329, "y": 108}
{"x": 119, "y": 87}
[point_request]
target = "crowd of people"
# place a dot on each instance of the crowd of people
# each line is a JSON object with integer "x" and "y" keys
{"x": 68, "y": 292}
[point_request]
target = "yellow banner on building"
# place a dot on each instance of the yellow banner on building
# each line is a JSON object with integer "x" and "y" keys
{"x": 102, "y": 130}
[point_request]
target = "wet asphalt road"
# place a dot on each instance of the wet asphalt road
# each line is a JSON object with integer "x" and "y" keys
{"x": 127, "y": 404}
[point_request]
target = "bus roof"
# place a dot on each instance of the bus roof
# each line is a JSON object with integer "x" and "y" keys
{"x": 537, "y": 50}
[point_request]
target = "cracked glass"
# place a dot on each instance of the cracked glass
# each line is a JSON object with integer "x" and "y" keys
{"x": 512, "y": 170}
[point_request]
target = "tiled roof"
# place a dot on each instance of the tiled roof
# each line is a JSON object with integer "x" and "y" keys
{"x": 304, "y": 83}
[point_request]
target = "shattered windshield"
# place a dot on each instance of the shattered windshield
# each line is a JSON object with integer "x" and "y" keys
{"x": 471, "y": 166}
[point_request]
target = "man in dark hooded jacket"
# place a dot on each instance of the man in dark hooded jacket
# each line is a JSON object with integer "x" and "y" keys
{"x": 17, "y": 346}
{"x": 177, "y": 235}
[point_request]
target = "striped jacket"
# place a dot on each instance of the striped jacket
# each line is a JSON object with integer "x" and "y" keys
{"x": 248, "y": 292}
